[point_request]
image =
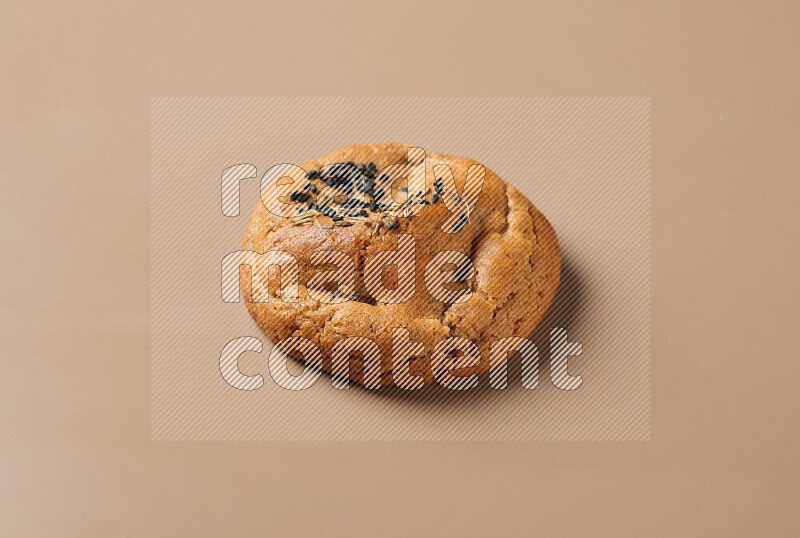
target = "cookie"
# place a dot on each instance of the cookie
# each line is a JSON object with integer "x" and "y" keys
{"x": 352, "y": 202}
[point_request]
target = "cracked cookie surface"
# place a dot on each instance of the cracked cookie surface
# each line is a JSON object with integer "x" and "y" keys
{"x": 512, "y": 246}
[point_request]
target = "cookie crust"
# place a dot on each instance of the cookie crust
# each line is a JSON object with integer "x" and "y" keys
{"x": 512, "y": 246}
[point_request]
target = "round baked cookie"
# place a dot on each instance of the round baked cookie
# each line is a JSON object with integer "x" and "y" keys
{"x": 512, "y": 247}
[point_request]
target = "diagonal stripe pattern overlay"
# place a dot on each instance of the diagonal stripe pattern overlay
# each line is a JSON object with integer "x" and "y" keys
{"x": 584, "y": 162}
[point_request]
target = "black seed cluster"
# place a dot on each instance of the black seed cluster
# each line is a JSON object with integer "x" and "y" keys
{"x": 462, "y": 220}
{"x": 341, "y": 175}
{"x": 298, "y": 196}
{"x": 359, "y": 183}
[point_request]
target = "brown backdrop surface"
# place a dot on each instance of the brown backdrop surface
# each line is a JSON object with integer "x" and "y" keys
{"x": 75, "y": 91}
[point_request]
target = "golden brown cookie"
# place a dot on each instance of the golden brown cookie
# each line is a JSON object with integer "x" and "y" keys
{"x": 512, "y": 247}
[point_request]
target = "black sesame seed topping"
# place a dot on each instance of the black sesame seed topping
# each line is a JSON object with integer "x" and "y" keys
{"x": 298, "y": 196}
{"x": 355, "y": 194}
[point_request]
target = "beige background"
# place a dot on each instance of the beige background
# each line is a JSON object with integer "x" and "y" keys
{"x": 74, "y": 415}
